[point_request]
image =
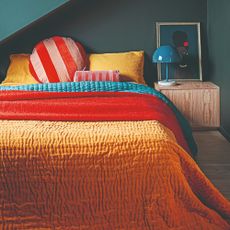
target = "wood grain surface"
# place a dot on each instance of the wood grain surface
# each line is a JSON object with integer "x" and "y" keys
{"x": 199, "y": 102}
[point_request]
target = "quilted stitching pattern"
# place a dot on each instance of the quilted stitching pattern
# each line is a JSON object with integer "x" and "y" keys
{"x": 102, "y": 175}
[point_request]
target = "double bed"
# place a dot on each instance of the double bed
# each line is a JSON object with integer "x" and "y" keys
{"x": 100, "y": 155}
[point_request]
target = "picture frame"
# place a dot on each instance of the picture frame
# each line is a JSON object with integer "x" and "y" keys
{"x": 186, "y": 38}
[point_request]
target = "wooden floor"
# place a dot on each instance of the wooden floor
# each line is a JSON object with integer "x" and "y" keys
{"x": 214, "y": 159}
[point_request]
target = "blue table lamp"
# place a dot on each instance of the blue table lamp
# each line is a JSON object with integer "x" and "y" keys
{"x": 166, "y": 55}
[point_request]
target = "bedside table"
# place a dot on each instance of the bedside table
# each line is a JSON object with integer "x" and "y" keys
{"x": 199, "y": 102}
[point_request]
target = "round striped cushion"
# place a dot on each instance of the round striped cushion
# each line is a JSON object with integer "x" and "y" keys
{"x": 57, "y": 59}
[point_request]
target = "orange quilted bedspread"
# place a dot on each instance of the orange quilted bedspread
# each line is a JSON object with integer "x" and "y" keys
{"x": 102, "y": 175}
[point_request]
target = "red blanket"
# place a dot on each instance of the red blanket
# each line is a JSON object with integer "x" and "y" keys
{"x": 93, "y": 106}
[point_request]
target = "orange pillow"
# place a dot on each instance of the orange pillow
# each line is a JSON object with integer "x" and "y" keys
{"x": 18, "y": 71}
{"x": 130, "y": 64}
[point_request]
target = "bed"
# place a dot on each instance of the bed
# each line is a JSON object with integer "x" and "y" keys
{"x": 100, "y": 155}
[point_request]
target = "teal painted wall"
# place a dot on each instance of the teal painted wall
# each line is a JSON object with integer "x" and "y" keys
{"x": 219, "y": 50}
{"x": 16, "y": 14}
{"x": 121, "y": 25}
{"x": 111, "y": 26}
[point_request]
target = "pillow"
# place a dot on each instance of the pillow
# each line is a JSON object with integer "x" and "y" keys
{"x": 130, "y": 64}
{"x": 56, "y": 59}
{"x": 18, "y": 71}
{"x": 106, "y": 75}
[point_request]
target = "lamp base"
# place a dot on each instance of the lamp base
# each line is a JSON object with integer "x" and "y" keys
{"x": 167, "y": 82}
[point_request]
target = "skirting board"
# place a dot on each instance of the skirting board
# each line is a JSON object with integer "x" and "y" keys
{"x": 225, "y": 133}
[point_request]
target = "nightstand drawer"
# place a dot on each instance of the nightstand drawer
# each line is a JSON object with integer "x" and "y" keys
{"x": 199, "y": 102}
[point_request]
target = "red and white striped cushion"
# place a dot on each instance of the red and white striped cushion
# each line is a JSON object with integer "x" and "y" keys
{"x": 56, "y": 60}
{"x": 100, "y": 75}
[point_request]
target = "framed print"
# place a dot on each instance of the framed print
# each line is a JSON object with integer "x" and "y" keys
{"x": 185, "y": 37}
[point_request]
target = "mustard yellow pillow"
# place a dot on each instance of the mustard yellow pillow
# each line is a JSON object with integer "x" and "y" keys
{"x": 18, "y": 72}
{"x": 130, "y": 64}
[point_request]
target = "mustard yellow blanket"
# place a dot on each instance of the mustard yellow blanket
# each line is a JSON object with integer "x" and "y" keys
{"x": 102, "y": 175}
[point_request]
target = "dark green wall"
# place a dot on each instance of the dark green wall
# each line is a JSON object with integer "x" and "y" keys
{"x": 110, "y": 26}
{"x": 219, "y": 50}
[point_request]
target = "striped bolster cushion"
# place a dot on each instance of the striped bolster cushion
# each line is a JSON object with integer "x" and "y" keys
{"x": 56, "y": 59}
{"x": 100, "y": 75}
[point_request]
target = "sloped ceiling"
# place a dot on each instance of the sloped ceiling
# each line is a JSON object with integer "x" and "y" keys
{"x": 16, "y": 15}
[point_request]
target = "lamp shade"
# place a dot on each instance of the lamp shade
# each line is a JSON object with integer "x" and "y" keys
{"x": 166, "y": 54}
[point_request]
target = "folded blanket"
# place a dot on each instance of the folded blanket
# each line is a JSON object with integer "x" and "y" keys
{"x": 73, "y": 87}
{"x": 102, "y": 175}
{"x": 96, "y": 106}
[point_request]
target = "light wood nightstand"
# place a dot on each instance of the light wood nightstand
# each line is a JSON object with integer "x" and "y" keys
{"x": 199, "y": 102}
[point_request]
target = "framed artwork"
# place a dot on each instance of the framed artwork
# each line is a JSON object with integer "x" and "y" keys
{"x": 185, "y": 37}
